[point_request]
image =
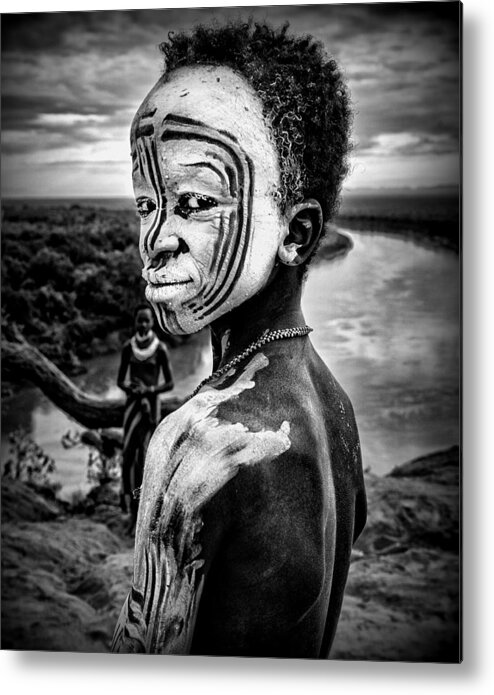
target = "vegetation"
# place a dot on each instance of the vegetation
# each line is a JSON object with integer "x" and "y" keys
{"x": 104, "y": 461}
{"x": 28, "y": 463}
{"x": 71, "y": 277}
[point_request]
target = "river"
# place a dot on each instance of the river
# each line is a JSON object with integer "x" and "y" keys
{"x": 386, "y": 321}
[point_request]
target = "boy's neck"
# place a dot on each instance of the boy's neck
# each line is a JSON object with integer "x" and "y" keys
{"x": 275, "y": 307}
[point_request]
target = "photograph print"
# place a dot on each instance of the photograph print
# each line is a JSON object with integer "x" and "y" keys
{"x": 231, "y": 331}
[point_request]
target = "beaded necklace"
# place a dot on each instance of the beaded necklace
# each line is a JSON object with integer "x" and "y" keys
{"x": 267, "y": 337}
{"x": 143, "y": 353}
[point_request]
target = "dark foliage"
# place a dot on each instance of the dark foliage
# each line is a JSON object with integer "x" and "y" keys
{"x": 71, "y": 277}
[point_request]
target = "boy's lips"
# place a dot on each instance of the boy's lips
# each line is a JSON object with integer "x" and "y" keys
{"x": 168, "y": 290}
{"x": 167, "y": 283}
{"x": 155, "y": 279}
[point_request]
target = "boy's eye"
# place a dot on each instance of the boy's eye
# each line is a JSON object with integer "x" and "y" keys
{"x": 194, "y": 202}
{"x": 145, "y": 206}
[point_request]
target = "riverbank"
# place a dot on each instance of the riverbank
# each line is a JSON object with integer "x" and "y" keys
{"x": 333, "y": 244}
{"x": 65, "y": 572}
{"x": 432, "y": 217}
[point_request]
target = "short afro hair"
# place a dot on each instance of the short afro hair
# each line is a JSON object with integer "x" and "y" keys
{"x": 303, "y": 93}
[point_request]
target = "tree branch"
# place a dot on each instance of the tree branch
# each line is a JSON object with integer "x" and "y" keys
{"x": 89, "y": 411}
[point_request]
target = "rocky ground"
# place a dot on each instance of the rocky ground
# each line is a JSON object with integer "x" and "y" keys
{"x": 65, "y": 573}
{"x": 402, "y": 601}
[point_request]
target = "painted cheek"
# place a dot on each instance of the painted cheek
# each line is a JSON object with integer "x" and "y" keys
{"x": 142, "y": 247}
{"x": 204, "y": 259}
{"x": 208, "y": 241}
{"x": 263, "y": 246}
{"x": 215, "y": 258}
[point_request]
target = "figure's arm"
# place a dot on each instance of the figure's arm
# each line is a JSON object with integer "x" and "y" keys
{"x": 165, "y": 366}
{"x": 122, "y": 371}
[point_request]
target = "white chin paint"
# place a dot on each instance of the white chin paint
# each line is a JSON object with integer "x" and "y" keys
{"x": 206, "y": 165}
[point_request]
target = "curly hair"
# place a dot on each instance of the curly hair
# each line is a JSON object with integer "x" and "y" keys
{"x": 304, "y": 97}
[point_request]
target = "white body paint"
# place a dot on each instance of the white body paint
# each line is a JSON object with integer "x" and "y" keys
{"x": 183, "y": 473}
{"x": 223, "y": 101}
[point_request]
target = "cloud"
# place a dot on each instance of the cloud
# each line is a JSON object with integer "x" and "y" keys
{"x": 107, "y": 179}
{"x": 72, "y": 80}
{"x": 92, "y": 143}
{"x": 423, "y": 170}
{"x": 409, "y": 144}
{"x": 67, "y": 119}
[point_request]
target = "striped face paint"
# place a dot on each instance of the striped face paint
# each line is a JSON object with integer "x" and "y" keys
{"x": 205, "y": 173}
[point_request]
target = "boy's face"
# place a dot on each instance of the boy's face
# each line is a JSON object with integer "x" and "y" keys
{"x": 205, "y": 175}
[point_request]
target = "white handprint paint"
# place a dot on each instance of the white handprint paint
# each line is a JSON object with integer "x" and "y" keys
{"x": 192, "y": 455}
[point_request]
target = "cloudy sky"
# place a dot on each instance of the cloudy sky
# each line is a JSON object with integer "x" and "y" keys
{"x": 71, "y": 82}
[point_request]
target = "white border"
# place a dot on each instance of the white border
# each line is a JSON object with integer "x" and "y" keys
{"x": 38, "y": 672}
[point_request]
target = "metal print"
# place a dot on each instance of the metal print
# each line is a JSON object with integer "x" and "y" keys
{"x": 230, "y": 331}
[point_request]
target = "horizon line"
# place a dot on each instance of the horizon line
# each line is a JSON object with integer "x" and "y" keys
{"x": 360, "y": 189}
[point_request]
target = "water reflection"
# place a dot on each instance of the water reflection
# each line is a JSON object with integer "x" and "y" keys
{"x": 387, "y": 324}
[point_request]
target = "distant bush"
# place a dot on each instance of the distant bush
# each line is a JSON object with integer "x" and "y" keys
{"x": 53, "y": 265}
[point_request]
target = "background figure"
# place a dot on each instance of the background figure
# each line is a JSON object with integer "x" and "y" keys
{"x": 144, "y": 357}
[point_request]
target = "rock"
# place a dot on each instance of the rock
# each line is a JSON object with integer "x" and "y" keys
{"x": 102, "y": 504}
{"x": 333, "y": 244}
{"x": 105, "y": 494}
{"x": 105, "y": 586}
{"x": 64, "y": 579}
{"x": 38, "y": 613}
{"x": 21, "y": 501}
{"x": 410, "y": 511}
{"x": 402, "y": 597}
{"x": 441, "y": 467}
{"x": 401, "y": 608}
{"x": 64, "y": 546}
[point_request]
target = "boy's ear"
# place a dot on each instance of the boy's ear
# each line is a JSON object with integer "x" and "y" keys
{"x": 305, "y": 223}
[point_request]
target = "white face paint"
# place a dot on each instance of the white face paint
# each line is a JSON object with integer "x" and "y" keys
{"x": 205, "y": 175}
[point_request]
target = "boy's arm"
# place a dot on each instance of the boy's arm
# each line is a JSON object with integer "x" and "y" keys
{"x": 191, "y": 458}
